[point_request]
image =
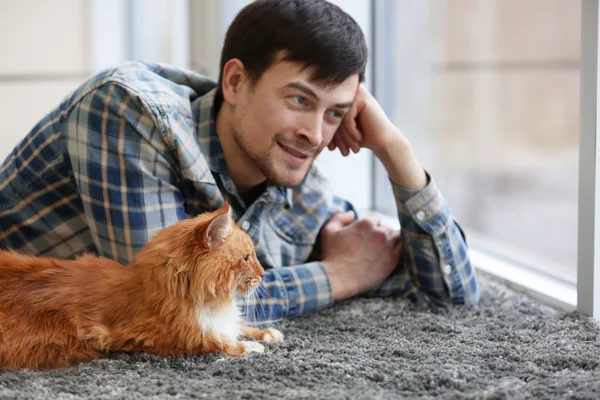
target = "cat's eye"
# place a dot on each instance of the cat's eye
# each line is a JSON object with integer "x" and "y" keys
{"x": 246, "y": 256}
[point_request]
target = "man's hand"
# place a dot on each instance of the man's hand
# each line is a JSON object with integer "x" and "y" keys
{"x": 358, "y": 255}
{"x": 366, "y": 125}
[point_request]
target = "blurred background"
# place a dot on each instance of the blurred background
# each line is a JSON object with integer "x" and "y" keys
{"x": 488, "y": 93}
{"x": 486, "y": 90}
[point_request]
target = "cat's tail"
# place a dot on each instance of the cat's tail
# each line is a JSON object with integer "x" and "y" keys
{"x": 40, "y": 343}
{"x": 44, "y": 356}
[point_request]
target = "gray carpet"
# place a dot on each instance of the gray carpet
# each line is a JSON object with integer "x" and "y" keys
{"x": 509, "y": 347}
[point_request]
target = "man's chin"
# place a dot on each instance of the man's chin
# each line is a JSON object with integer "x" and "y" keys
{"x": 291, "y": 180}
{"x": 288, "y": 183}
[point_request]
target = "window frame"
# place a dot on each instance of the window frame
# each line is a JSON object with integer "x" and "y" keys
{"x": 588, "y": 259}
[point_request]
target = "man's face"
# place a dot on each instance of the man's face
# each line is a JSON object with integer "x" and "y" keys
{"x": 284, "y": 121}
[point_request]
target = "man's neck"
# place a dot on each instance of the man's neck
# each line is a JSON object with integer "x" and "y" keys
{"x": 253, "y": 193}
{"x": 242, "y": 171}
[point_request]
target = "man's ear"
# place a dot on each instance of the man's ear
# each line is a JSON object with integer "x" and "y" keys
{"x": 234, "y": 76}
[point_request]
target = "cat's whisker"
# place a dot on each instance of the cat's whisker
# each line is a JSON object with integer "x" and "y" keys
{"x": 265, "y": 306}
{"x": 252, "y": 311}
{"x": 261, "y": 310}
{"x": 250, "y": 301}
{"x": 258, "y": 316}
{"x": 246, "y": 307}
{"x": 263, "y": 299}
{"x": 260, "y": 305}
{"x": 261, "y": 293}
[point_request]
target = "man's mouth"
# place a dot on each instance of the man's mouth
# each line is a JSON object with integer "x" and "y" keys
{"x": 294, "y": 152}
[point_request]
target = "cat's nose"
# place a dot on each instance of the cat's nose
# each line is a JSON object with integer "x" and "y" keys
{"x": 262, "y": 274}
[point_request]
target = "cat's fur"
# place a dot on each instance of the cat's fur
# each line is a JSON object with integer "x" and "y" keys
{"x": 177, "y": 297}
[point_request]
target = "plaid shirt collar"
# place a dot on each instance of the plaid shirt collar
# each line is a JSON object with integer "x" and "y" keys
{"x": 206, "y": 109}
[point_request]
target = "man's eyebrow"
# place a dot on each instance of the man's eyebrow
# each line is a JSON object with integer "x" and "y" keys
{"x": 308, "y": 91}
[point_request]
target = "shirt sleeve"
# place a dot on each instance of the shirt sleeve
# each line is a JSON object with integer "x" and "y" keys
{"x": 287, "y": 292}
{"x": 124, "y": 173}
{"x": 435, "y": 265}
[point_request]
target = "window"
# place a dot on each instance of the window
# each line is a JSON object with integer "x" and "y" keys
{"x": 488, "y": 93}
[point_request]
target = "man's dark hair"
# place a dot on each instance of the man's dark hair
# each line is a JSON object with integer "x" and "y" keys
{"x": 314, "y": 33}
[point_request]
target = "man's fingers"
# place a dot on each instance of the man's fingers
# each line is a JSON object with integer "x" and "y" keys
{"x": 346, "y": 141}
{"x": 398, "y": 250}
{"x": 338, "y": 142}
{"x": 375, "y": 220}
{"x": 339, "y": 220}
{"x": 350, "y": 142}
{"x": 346, "y": 217}
{"x": 341, "y": 143}
{"x": 351, "y": 126}
{"x": 352, "y": 131}
{"x": 350, "y": 135}
{"x": 397, "y": 241}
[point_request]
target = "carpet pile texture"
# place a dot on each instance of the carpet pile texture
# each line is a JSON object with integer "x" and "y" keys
{"x": 510, "y": 346}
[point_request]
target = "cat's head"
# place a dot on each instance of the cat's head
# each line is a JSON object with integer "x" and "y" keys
{"x": 207, "y": 258}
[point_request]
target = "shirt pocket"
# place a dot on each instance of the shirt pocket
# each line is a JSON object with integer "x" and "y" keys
{"x": 291, "y": 237}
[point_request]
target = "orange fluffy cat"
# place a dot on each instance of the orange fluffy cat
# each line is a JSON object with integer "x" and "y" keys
{"x": 177, "y": 297}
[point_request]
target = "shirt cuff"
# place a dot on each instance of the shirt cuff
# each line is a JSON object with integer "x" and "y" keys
{"x": 307, "y": 288}
{"x": 424, "y": 207}
{"x": 403, "y": 194}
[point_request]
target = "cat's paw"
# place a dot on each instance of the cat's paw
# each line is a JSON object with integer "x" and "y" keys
{"x": 252, "y": 347}
{"x": 272, "y": 336}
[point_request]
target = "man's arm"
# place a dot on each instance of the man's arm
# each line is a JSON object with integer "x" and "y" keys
{"x": 434, "y": 264}
{"x": 125, "y": 173}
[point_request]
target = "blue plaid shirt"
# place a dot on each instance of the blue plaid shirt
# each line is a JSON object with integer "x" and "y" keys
{"x": 134, "y": 149}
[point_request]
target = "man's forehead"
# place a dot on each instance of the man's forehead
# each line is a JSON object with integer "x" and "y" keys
{"x": 287, "y": 73}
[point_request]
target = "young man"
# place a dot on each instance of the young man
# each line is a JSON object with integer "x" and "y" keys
{"x": 139, "y": 147}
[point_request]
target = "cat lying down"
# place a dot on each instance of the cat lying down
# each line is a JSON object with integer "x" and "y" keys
{"x": 177, "y": 297}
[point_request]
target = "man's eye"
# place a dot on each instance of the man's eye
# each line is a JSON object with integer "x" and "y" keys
{"x": 300, "y": 100}
{"x": 246, "y": 256}
{"x": 336, "y": 114}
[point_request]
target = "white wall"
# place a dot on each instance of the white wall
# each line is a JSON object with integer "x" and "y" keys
{"x": 43, "y": 56}
{"x": 48, "y": 48}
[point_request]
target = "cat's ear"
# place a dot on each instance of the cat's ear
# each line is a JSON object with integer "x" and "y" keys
{"x": 224, "y": 209}
{"x": 218, "y": 230}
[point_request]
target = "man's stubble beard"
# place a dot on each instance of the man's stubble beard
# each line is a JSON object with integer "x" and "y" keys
{"x": 264, "y": 162}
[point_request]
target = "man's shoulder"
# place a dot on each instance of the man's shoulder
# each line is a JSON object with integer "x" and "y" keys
{"x": 162, "y": 93}
{"x": 162, "y": 87}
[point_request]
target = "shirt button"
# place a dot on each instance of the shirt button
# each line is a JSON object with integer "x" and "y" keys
{"x": 446, "y": 269}
{"x": 420, "y": 215}
{"x": 245, "y": 225}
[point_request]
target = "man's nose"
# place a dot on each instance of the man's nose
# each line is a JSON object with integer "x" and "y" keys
{"x": 312, "y": 130}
